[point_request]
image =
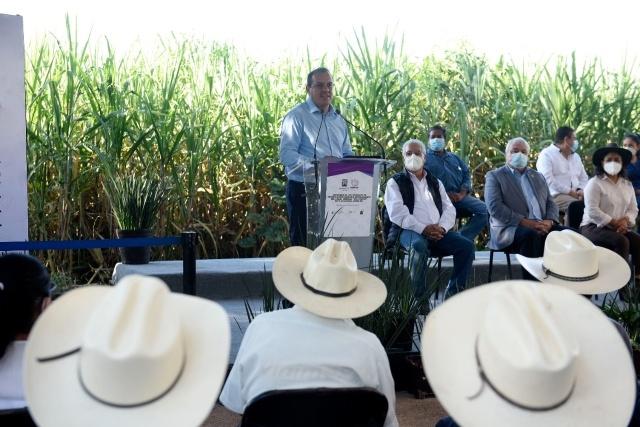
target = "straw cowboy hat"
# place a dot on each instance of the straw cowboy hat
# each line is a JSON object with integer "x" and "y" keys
{"x": 130, "y": 355}
{"x": 518, "y": 353}
{"x": 327, "y": 281}
{"x": 574, "y": 262}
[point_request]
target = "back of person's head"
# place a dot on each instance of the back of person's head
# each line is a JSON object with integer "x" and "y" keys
{"x": 24, "y": 287}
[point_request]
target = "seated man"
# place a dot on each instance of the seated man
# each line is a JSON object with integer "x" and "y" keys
{"x": 422, "y": 217}
{"x": 521, "y": 209}
{"x": 563, "y": 169}
{"x": 315, "y": 344}
{"x": 454, "y": 175}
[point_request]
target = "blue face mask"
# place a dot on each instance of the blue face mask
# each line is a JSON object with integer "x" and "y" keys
{"x": 436, "y": 144}
{"x": 575, "y": 146}
{"x": 518, "y": 160}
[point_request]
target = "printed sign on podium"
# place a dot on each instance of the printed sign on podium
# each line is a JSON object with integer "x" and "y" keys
{"x": 342, "y": 202}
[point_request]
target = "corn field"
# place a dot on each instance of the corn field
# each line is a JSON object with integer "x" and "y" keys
{"x": 205, "y": 120}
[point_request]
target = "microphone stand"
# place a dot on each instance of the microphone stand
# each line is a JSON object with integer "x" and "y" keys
{"x": 378, "y": 143}
{"x": 315, "y": 150}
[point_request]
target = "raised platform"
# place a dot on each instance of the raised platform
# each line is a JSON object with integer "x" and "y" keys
{"x": 233, "y": 278}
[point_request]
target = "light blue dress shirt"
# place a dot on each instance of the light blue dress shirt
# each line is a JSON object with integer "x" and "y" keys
{"x": 298, "y": 136}
{"x": 450, "y": 169}
{"x": 532, "y": 201}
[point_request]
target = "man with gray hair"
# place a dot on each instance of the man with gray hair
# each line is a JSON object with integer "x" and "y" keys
{"x": 422, "y": 217}
{"x": 521, "y": 209}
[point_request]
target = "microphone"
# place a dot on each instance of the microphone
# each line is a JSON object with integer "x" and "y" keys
{"x": 315, "y": 150}
{"x": 378, "y": 143}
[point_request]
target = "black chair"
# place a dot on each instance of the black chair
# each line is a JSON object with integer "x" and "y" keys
{"x": 507, "y": 254}
{"x": 575, "y": 210}
{"x": 318, "y": 407}
{"x": 16, "y": 418}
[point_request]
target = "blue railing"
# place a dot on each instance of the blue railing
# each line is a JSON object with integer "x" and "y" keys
{"x": 188, "y": 240}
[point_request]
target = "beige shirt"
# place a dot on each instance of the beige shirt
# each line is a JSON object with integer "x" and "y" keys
{"x": 605, "y": 200}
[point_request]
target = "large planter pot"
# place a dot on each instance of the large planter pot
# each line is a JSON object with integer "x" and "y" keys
{"x": 136, "y": 254}
{"x": 408, "y": 374}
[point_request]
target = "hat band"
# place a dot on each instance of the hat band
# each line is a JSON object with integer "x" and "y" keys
{"x": 503, "y": 396}
{"x": 106, "y": 402}
{"x": 568, "y": 278}
{"x": 324, "y": 293}
{"x": 137, "y": 404}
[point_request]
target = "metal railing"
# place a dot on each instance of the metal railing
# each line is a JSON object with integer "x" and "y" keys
{"x": 188, "y": 240}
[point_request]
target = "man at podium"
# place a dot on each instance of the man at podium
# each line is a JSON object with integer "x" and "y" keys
{"x": 422, "y": 217}
{"x": 310, "y": 131}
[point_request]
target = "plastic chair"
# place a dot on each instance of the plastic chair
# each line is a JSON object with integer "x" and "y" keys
{"x": 507, "y": 254}
{"x": 16, "y": 418}
{"x": 317, "y": 407}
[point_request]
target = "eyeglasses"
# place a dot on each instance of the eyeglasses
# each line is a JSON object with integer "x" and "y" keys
{"x": 328, "y": 85}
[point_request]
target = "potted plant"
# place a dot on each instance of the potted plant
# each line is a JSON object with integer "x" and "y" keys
{"x": 135, "y": 202}
{"x": 628, "y": 315}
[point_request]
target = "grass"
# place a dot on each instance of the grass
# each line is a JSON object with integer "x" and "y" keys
{"x": 205, "y": 120}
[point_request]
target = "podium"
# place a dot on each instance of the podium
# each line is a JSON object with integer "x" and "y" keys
{"x": 342, "y": 202}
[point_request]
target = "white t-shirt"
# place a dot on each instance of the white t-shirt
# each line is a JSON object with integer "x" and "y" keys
{"x": 11, "y": 391}
{"x": 294, "y": 349}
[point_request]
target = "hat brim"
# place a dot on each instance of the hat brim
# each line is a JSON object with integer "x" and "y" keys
{"x": 600, "y": 153}
{"x": 56, "y": 397}
{"x": 605, "y": 373}
{"x": 289, "y": 264}
{"x": 613, "y": 273}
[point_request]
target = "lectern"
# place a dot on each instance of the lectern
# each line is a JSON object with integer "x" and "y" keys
{"x": 342, "y": 202}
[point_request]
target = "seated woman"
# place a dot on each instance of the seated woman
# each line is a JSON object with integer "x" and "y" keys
{"x": 631, "y": 142}
{"x": 24, "y": 292}
{"x": 610, "y": 205}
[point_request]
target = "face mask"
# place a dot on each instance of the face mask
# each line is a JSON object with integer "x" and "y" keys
{"x": 413, "y": 163}
{"x": 518, "y": 160}
{"x": 631, "y": 150}
{"x": 575, "y": 146}
{"x": 436, "y": 144}
{"x": 612, "y": 168}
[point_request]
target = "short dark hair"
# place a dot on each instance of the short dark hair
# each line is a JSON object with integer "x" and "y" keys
{"x": 25, "y": 283}
{"x": 319, "y": 70}
{"x": 562, "y": 133}
{"x": 632, "y": 136}
{"x": 438, "y": 127}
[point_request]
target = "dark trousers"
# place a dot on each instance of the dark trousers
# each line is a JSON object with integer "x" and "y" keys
{"x": 622, "y": 244}
{"x": 529, "y": 243}
{"x": 297, "y": 212}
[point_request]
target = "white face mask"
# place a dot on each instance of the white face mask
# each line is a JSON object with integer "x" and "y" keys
{"x": 518, "y": 160}
{"x": 631, "y": 150}
{"x": 413, "y": 163}
{"x": 612, "y": 168}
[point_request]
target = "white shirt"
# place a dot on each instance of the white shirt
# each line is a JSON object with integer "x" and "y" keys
{"x": 294, "y": 349}
{"x": 425, "y": 211}
{"x": 605, "y": 200}
{"x": 11, "y": 392}
{"x": 562, "y": 174}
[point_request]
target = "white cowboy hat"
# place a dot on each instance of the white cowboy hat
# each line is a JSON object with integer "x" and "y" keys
{"x": 327, "y": 281}
{"x": 518, "y": 353}
{"x": 574, "y": 262}
{"x": 130, "y": 355}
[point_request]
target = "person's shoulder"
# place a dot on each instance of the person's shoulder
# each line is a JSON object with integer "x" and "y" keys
{"x": 547, "y": 151}
{"x": 367, "y": 338}
{"x": 298, "y": 111}
{"x": 493, "y": 173}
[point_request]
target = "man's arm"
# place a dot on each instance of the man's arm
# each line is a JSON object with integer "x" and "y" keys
{"x": 466, "y": 176}
{"x": 346, "y": 143}
{"x": 448, "y": 217}
{"x": 291, "y": 132}
{"x": 398, "y": 211}
{"x": 551, "y": 209}
{"x": 583, "y": 178}
{"x": 494, "y": 199}
{"x": 544, "y": 165}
